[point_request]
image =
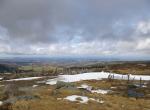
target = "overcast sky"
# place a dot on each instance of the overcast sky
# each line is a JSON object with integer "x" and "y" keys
{"x": 75, "y": 27}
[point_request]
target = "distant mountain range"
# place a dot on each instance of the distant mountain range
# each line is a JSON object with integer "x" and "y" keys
{"x": 65, "y": 59}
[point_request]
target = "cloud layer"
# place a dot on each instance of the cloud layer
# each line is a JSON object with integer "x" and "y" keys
{"x": 75, "y": 27}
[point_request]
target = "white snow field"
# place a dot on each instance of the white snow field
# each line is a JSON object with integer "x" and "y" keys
{"x": 94, "y": 76}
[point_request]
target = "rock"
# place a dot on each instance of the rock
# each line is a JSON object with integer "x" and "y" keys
{"x": 13, "y": 100}
{"x": 61, "y": 84}
{"x": 133, "y": 93}
{"x": 10, "y": 101}
{"x": 11, "y": 90}
{"x": 27, "y": 97}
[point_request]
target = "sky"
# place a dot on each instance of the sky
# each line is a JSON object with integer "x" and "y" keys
{"x": 75, "y": 27}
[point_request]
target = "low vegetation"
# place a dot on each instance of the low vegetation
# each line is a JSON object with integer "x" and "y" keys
{"x": 31, "y": 95}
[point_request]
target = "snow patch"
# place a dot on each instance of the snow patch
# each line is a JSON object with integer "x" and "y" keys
{"x": 80, "y": 99}
{"x": 24, "y": 79}
{"x": 8, "y": 73}
{"x": 85, "y": 86}
{"x": 113, "y": 87}
{"x": 59, "y": 98}
{"x": 35, "y": 86}
{"x": 100, "y": 91}
{"x": 73, "y": 98}
{"x": 1, "y": 103}
{"x": 40, "y": 82}
{"x": 94, "y": 76}
{"x": 89, "y": 88}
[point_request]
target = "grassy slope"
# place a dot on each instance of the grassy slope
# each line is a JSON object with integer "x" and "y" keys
{"x": 48, "y": 99}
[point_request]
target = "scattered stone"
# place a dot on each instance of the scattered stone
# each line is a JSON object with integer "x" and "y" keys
{"x": 133, "y": 99}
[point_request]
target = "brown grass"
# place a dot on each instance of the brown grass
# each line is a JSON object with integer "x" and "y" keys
{"x": 48, "y": 101}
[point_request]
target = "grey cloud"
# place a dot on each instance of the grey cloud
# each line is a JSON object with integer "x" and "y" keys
{"x": 44, "y": 23}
